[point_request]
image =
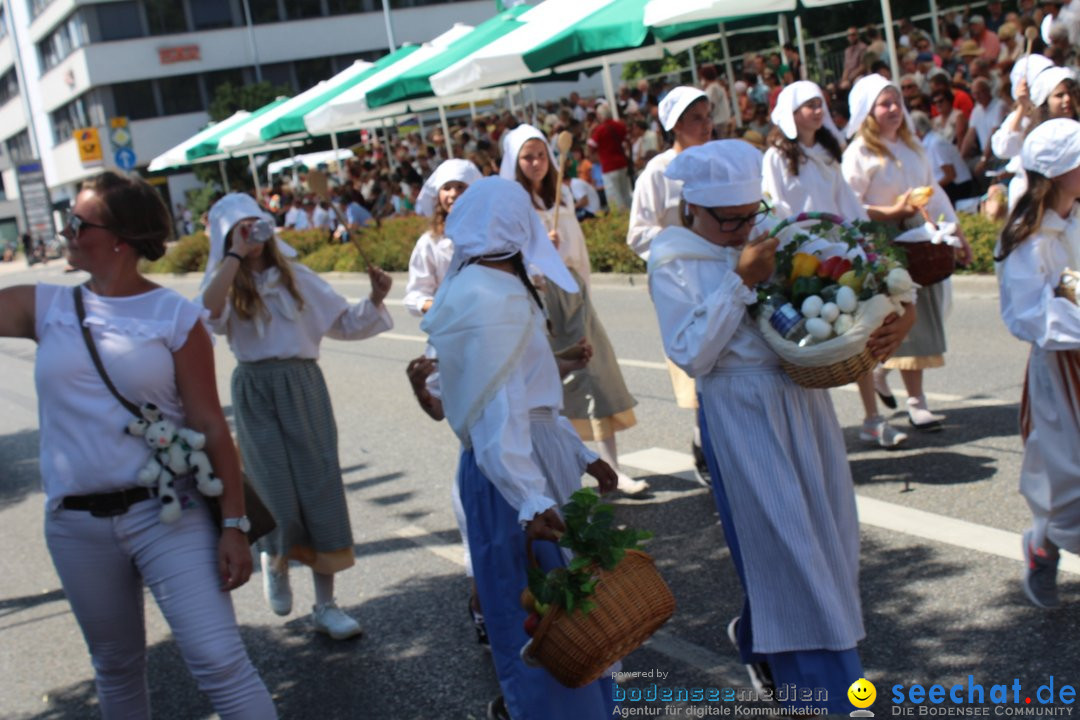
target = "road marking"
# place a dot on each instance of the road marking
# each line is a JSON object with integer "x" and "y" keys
{"x": 885, "y": 515}
{"x": 454, "y": 552}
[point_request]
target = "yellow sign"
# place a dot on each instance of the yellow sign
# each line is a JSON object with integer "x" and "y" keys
{"x": 89, "y": 145}
{"x": 118, "y": 122}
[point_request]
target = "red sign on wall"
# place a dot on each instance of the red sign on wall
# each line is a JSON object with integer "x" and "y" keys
{"x": 180, "y": 53}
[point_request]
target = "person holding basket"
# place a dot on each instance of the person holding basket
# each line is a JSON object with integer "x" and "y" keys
{"x": 775, "y": 449}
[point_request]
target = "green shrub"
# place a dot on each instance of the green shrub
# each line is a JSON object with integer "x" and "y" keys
{"x": 982, "y": 233}
{"x": 188, "y": 254}
{"x": 605, "y": 237}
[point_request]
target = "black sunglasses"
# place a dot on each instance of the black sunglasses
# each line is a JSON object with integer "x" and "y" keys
{"x": 76, "y": 223}
{"x": 734, "y": 224}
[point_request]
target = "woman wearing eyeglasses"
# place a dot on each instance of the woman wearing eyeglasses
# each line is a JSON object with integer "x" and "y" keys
{"x": 102, "y": 527}
{"x": 275, "y": 313}
{"x": 784, "y": 488}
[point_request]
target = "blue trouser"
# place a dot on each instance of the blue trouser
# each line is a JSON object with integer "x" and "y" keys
{"x": 497, "y": 545}
{"x": 833, "y": 670}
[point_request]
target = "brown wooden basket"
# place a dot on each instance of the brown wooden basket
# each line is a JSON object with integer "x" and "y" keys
{"x": 929, "y": 263}
{"x": 830, "y": 376}
{"x": 632, "y": 602}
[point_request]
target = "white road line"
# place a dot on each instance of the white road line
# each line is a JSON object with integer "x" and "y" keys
{"x": 453, "y": 552}
{"x": 885, "y": 515}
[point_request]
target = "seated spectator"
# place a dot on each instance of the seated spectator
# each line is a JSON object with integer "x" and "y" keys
{"x": 586, "y": 199}
{"x": 950, "y": 171}
{"x": 950, "y": 123}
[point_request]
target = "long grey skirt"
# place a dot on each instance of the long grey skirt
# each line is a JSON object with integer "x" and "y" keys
{"x": 288, "y": 438}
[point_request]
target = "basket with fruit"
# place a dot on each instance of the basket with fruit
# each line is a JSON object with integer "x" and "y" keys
{"x": 832, "y": 288}
{"x": 929, "y": 248}
{"x": 604, "y": 604}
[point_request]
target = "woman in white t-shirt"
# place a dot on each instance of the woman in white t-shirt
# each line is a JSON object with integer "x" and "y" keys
{"x": 102, "y": 526}
{"x": 275, "y": 314}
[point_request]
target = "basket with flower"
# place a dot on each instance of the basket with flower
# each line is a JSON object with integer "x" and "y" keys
{"x": 835, "y": 283}
{"x": 929, "y": 248}
{"x": 605, "y": 603}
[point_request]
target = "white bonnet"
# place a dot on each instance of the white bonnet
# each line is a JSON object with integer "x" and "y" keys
{"x": 793, "y": 97}
{"x": 453, "y": 170}
{"x": 221, "y": 219}
{"x": 1046, "y": 81}
{"x": 1052, "y": 148}
{"x": 512, "y": 143}
{"x": 861, "y": 100}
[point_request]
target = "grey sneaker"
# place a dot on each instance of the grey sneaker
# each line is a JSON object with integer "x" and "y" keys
{"x": 276, "y": 587}
{"x": 1040, "y": 575}
{"x": 332, "y": 620}
{"x": 878, "y": 431}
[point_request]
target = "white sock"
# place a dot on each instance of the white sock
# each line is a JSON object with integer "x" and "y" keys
{"x": 324, "y": 587}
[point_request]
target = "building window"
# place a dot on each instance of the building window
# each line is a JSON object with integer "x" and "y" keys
{"x": 180, "y": 95}
{"x": 264, "y": 11}
{"x": 3, "y": 22}
{"x": 38, "y": 6}
{"x": 300, "y": 9}
{"x": 214, "y": 80}
{"x": 67, "y": 119}
{"x": 342, "y": 7}
{"x": 310, "y": 72}
{"x": 119, "y": 21}
{"x": 68, "y": 37}
{"x": 135, "y": 100}
{"x": 165, "y": 17}
{"x": 9, "y": 85}
{"x": 18, "y": 147}
{"x": 211, "y": 14}
{"x": 278, "y": 75}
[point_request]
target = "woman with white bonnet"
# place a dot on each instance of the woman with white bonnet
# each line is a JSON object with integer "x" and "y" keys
{"x": 501, "y": 394}
{"x": 1039, "y": 243}
{"x": 801, "y": 173}
{"x": 595, "y": 398}
{"x": 883, "y": 164}
{"x": 685, "y": 114}
{"x": 431, "y": 255}
{"x": 275, "y": 313}
{"x": 780, "y": 471}
{"x": 1042, "y": 92}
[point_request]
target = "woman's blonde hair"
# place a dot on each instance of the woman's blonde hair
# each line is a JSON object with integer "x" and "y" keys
{"x": 871, "y": 135}
{"x": 245, "y": 298}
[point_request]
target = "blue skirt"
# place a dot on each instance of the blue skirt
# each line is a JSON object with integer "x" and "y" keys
{"x": 832, "y": 670}
{"x": 500, "y": 567}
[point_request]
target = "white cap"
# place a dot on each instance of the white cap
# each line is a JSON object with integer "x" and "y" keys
{"x": 512, "y": 143}
{"x": 793, "y": 97}
{"x": 721, "y": 173}
{"x": 861, "y": 100}
{"x": 452, "y": 170}
{"x": 675, "y": 103}
{"x": 223, "y": 217}
{"x": 1028, "y": 67}
{"x": 1045, "y": 82}
{"x": 1053, "y": 148}
{"x": 496, "y": 216}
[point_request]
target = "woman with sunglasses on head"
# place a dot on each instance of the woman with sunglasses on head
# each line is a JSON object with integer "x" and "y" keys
{"x": 784, "y": 488}
{"x": 801, "y": 173}
{"x": 595, "y": 398}
{"x": 102, "y": 527}
{"x": 883, "y": 165}
{"x": 275, "y": 313}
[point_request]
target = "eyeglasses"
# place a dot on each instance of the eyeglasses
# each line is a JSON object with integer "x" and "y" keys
{"x": 734, "y": 224}
{"x": 76, "y": 224}
{"x": 908, "y": 86}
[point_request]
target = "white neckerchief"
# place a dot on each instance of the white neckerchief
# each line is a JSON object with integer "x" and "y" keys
{"x": 276, "y": 296}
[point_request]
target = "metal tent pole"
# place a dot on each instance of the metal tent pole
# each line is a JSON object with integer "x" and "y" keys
{"x": 693, "y": 68}
{"x": 446, "y": 132}
{"x": 337, "y": 161}
{"x": 254, "y": 174}
{"x": 224, "y": 175}
{"x": 890, "y": 39}
{"x": 802, "y": 47}
{"x": 934, "y": 20}
{"x": 730, "y": 72}
{"x": 609, "y": 89}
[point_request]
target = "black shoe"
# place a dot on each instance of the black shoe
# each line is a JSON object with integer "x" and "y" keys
{"x": 888, "y": 401}
{"x": 479, "y": 626}
{"x": 496, "y": 709}
{"x": 701, "y": 468}
{"x": 760, "y": 675}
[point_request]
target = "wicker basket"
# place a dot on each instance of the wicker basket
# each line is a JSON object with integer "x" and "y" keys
{"x": 929, "y": 263}
{"x": 632, "y": 602}
{"x": 1070, "y": 280}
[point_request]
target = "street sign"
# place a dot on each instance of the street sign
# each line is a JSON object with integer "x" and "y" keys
{"x": 89, "y": 145}
{"x": 120, "y": 137}
{"x": 125, "y": 158}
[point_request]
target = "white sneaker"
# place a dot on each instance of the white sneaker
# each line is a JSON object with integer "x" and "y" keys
{"x": 276, "y": 586}
{"x": 877, "y": 430}
{"x": 920, "y": 417}
{"x": 630, "y": 486}
{"x": 332, "y": 620}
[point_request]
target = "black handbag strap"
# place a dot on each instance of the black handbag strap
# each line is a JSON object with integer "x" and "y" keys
{"x": 80, "y": 310}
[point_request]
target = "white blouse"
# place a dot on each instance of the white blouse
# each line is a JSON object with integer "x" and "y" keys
{"x": 571, "y": 238}
{"x": 84, "y": 448}
{"x": 703, "y": 306}
{"x": 428, "y": 264}
{"x": 291, "y": 332}
{"x": 819, "y": 186}
{"x": 655, "y": 205}
{"x": 880, "y": 181}
{"x": 1027, "y": 279}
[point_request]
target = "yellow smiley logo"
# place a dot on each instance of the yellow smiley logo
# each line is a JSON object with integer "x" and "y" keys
{"x": 862, "y": 693}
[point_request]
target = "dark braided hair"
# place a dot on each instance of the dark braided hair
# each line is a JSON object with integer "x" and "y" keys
{"x": 517, "y": 262}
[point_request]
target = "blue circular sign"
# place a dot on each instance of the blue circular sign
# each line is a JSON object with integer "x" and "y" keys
{"x": 125, "y": 158}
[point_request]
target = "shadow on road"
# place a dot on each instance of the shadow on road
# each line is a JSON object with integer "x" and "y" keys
{"x": 20, "y": 474}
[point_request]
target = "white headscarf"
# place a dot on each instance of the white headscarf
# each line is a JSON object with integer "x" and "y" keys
{"x": 720, "y": 173}
{"x": 496, "y": 217}
{"x": 223, "y": 217}
{"x": 675, "y": 103}
{"x": 793, "y": 97}
{"x": 453, "y": 170}
{"x": 1045, "y": 82}
{"x": 512, "y": 145}
{"x": 861, "y": 101}
{"x": 1028, "y": 68}
{"x": 1053, "y": 148}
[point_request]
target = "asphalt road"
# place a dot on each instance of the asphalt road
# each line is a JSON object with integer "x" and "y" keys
{"x": 940, "y": 541}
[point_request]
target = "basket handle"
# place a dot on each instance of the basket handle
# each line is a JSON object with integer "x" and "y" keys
{"x": 815, "y": 216}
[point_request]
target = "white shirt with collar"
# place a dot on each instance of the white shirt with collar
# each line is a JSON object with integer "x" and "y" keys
{"x": 428, "y": 264}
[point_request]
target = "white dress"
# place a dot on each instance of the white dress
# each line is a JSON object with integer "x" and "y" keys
{"x": 1049, "y": 415}
{"x": 655, "y": 205}
{"x": 428, "y": 265}
{"x": 779, "y": 447}
{"x": 819, "y": 186}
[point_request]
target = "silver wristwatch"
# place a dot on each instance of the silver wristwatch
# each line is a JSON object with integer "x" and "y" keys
{"x": 240, "y": 523}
